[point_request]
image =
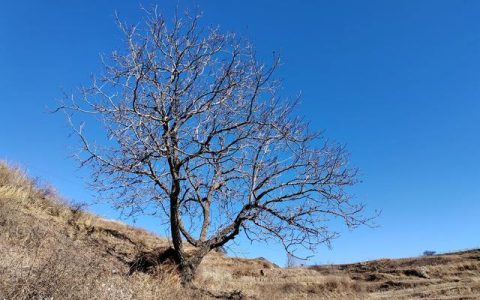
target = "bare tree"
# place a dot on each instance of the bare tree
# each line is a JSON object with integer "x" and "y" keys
{"x": 197, "y": 134}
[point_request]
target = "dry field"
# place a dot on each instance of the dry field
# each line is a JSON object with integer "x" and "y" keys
{"x": 51, "y": 250}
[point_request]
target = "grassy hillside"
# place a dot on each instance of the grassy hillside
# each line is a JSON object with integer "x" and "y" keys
{"x": 52, "y": 250}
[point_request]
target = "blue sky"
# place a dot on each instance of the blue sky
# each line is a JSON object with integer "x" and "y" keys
{"x": 397, "y": 81}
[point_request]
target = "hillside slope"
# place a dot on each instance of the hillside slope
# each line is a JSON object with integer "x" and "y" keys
{"x": 54, "y": 251}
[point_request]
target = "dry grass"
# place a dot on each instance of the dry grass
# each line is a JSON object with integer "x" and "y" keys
{"x": 52, "y": 250}
{"x": 448, "y": 276}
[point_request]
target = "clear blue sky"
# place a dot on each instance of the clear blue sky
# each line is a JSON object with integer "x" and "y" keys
{"x": 397, "y": 81}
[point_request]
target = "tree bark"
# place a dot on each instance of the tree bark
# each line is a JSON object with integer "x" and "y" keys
{"x": 175, "y": 229}
{"x": 188, "y": 265}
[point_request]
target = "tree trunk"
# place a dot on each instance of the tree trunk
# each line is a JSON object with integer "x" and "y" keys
{"x": 188, "y": 270}
{"x": 188, "y": 266}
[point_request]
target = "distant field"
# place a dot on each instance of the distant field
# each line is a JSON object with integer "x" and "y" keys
{"x": 54, "y": 251}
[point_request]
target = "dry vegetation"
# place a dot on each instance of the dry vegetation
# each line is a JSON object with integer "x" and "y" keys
{"x": 51, "y": 250}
